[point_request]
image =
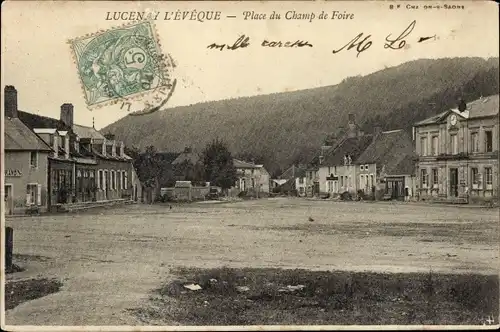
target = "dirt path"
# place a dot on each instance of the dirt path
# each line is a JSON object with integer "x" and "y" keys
{"x": 110, "y": 262}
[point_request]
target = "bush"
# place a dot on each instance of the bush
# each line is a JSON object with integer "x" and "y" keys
{"x": 346, "y": 196}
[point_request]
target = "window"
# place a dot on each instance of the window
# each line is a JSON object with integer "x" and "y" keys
{"x": 474, "y": 176}
{"x": 454, "y": 144}
{"x": 362, "y": 181}
{"x": 125, "y": 180}
{"x": 489, "y": 175}
{"x": 366, "y": 167}
{"x": 341, "y": 181}
{"x": 372, "y": 181}
{"x": 301, "y": 180}
{"x": 488, "y": 141}
{"x": 423, "y": 146}
{"x": 253, "y": 182}
{"x": 423, "y": 177}
{"x": 435, "y": 146}
{"x": 33, "y": 194}
{"x": 113, "y": 180}
{"x": 100, "y": 179}
{"x": 362, "y": 167}
{"x": 474, "y": 140}
{"x": 34, "y": 159}
{"x": 120, "y": 182}
{"x": 435, "y": 177}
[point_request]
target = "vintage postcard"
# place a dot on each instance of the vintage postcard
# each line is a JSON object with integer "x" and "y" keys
{"x": 252, "y": 165}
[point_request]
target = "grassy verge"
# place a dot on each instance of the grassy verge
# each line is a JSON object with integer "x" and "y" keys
{"x": 17, "y": 292}
{"x": 263, "y": 296}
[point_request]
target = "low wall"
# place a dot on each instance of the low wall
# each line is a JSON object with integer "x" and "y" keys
{"x": 185, "y": 194}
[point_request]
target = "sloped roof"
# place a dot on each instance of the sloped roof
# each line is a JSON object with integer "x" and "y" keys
{"x": 433, "y": 119}
{"x": 192, "y": 157}
{"x": 243, "y": 164}
{"x": 17, "y": 136}
{"x": 168, "y": 157}
{"x": 385, "y": 147}
{"x": 485, "y": 106}
{"x": 405, "y": 166}
{"x": 87, "y": 132}
{"x": 293, "y": 172}
{"x": 353, "y": 146}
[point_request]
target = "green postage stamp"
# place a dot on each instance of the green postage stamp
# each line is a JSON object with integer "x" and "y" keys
{"x": 120, "y": 64}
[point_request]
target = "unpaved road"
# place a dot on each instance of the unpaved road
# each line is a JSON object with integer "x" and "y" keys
{"x": 111, "y": 260}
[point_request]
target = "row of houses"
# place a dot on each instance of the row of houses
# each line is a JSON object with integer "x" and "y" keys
{"x": 452, "y": 156}
{"x": 50, "y": 162}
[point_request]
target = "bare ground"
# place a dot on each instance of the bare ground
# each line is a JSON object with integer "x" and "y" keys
{"x": 111, "y": 260}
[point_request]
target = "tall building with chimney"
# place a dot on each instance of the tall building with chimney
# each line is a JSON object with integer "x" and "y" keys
{"x": 83, "y": 165}
{"x": 25, "y": 162}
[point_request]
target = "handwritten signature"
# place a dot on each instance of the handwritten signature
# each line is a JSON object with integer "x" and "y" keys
{"x": 360, "y": 43}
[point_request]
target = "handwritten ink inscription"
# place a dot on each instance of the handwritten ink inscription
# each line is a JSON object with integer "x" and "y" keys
{"x": 244, "y": 41}
{"x": 360, "y": 43}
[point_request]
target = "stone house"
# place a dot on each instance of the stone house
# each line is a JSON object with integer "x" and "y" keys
{"x": 338, "y": 171}
{"x": 315, "y": 183}
{"x": 458, "y": 153}
{"x": 388, "y": 157}
{"x": 251, "y": 177}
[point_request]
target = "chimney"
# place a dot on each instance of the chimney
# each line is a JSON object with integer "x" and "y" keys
{"x": 352, "y": 127}
{"x": 67, "y": 114}
{"x": 462, "y": 106}
{"x": 10, "y": 101}
{"x": 122, "y": 149}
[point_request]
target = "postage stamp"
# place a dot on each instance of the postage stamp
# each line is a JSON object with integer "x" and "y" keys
{"x": 121, "y": 64}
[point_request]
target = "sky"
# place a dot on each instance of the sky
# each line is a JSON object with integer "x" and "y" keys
{"x": 38, "y": 61}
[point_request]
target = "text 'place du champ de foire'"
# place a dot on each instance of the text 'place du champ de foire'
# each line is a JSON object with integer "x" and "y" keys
{"x": 211, "y": 15}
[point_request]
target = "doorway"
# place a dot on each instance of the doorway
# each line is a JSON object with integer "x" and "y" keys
{"x": 9, "y": 199}
{"x": 454, "y": 182}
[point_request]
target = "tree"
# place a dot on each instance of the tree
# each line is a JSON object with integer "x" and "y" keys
{"x": 218, "y": 165}
{"x": 148, "y": 167}
{"x": 187, "y": 171}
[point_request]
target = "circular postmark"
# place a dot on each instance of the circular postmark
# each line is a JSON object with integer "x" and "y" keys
{"x": 124, "y": 66}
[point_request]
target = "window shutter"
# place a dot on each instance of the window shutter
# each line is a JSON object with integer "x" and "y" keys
{"x": 39, "y": 195}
